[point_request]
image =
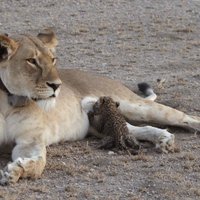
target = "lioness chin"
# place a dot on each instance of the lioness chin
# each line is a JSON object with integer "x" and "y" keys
{"x": 57, "y": 110}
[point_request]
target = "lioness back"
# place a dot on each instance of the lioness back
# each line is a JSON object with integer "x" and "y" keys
{"x": 90, "y": 84}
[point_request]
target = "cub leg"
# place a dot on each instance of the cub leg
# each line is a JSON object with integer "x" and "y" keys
{"x": 148, "y": 111}
{"x": 107, "y": 142}
{"x": 162, "y": 139}
{"x": 29, "y": 160}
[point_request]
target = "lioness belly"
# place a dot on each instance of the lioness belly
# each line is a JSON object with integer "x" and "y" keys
{"x": 71, "y": 129}
{"x": 67, "y": 121}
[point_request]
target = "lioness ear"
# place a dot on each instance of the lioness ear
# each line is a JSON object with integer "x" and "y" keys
{"x": 48, "y": 37}
{"x": 7, "y": 47}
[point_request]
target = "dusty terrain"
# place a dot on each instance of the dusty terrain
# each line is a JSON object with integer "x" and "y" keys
{"x": 131, "y": 40}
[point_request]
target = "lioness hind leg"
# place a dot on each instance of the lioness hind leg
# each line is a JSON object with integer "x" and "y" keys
{"x": 162, "y": 139}
{"x": 148, "y": 111}
{"x": 28, "y": 161}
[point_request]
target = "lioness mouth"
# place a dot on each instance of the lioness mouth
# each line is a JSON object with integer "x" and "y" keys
{"x": 38, "y": 99}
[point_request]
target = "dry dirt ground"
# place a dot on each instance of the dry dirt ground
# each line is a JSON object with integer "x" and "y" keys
{"x": 131, "y": 40}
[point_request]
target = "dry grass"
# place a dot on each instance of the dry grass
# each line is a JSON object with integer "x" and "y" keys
{"x": 2, "y": 194}
{"x": 196, "y": 191}
{"x": 98, "y": 176}
{"x": 70, "y": 169}
{"x": 8, "y": 195}
{"x": 184, "y": 30}
{"x": 40, "y": 189}
{"x": 190, "y": 156}
{"x": 142, "y": 157}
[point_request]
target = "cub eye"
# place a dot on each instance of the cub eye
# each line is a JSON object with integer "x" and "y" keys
{"x": 32, "y": 61}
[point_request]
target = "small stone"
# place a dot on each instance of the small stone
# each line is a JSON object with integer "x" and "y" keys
{"x": 111, "y": 153}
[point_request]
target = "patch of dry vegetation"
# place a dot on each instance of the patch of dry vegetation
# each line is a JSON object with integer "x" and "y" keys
{"x": 71, "y": 169}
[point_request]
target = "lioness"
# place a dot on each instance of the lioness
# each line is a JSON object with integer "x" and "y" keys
{"x": 28, "y": 69}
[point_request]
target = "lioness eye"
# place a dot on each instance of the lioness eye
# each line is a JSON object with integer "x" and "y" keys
{"x": 54, "y": 61}
{"x": 32, "y": 61}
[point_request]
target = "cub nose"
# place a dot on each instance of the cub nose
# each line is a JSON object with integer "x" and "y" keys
{"x": 54, "y": 86}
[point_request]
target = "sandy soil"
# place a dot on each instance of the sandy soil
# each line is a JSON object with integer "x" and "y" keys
{"x": 131, "y": 40}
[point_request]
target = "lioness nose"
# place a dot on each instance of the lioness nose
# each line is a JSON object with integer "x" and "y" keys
{"x": 54, "y": 86}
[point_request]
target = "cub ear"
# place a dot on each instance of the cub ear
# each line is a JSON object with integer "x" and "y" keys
{"x": 7, "y": 47}
{"x": 117, "y": 104}
{"x": 102, "y": 100}
{"x": 48, "y": 37}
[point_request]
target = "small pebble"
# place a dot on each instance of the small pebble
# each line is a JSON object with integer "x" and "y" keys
{"x": 111, "y": 153}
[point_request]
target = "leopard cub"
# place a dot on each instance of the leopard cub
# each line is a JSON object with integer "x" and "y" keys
{"x": 108, "y": 121}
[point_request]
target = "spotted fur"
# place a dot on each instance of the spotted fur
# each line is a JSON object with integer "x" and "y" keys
{"x": 112, "y": 125}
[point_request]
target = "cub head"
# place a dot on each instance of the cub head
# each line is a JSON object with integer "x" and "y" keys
{"x": 104, "y": 103}
{"x": 28, "y": 66}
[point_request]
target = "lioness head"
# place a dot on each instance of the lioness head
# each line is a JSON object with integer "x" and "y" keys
{"x": 28, "y": 66}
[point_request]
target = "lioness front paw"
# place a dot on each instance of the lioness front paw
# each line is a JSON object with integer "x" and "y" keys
{"x": 166, "y": 142}
{"x": 5, "y": 179}
{"x": 11, "y": 173}
{"x": 87, "y": 103}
